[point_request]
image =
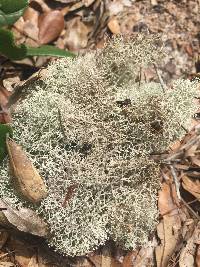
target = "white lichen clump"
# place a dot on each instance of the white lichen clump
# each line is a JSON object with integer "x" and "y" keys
{"x": 90, "y": 128}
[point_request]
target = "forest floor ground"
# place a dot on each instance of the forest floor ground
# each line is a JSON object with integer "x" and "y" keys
{"x": 87, "y": 24}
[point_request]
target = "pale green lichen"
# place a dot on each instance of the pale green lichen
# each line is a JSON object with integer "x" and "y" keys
{"x": 90, "y": 126}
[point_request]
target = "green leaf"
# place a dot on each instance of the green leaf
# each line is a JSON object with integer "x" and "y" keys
{"x": 11, "y": 6}
{"x": 11, "y": 11}
{"x": 5, "y": 130}
{"x": 10, "y": 18}
{"x": 48, "y": 50}
{"x": 8, "y": 47}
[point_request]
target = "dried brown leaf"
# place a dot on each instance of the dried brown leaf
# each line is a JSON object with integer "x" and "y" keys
{"x": 115, "y": 7}
{"x": 32, "y": 15}
{"x": 169, "y": 233}
{"x": 167, "y": 200}
{"x": 129, "y": 258}
{"x": 197, "y": 261}
{"x": 188, "y": 228}
{"x": 19, "y": 26}
{"x": 33, "y": 262}
{"x": 31, "y": 30}
{"x": 190, "y": 152}
{"x": 154, "y": 2}
{"x": 23, "y": 251}
{"x": 10, "y": 83}
{"x": 88, "y": 2}
{"x": 3, "y": 238}
{"x": 145, "y": 257}
{"x": 195, "y": 160}
{"x": 110, "y": 262}
{"x": 23, "y": 259}
{"x": 24, "y": 219}
{"x": 114, "y": 26}
{"x": 6, "y": 264}
{"x": 84, "y": 263}
{"x": 25, "y": 177}
{"x": 76, "y": 5}
{"x": 4, "y": 95}
{"x": 22, "y": 90}
{"x": 36, "y": 261}
{"x": 43, "y": 6}
{"x": 192, "y": 186}
{"x": 4, "y": 113}
{"x": 76, "y": 34}
{"x": 187, "y": 256}
{"x": 66, "y": 1}
{"x": 51, "y": 25}
{"x": 106, "y": 261}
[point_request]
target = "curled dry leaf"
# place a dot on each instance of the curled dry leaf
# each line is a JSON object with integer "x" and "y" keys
{"x": 25, "y": 177}
{"x": 51, "y": 25}
{"x": 192, "y": 186}
{"x": 24, "y": 220}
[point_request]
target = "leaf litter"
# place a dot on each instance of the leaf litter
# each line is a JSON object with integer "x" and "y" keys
{"x": 178, "y": 229}
{"x": 25, "y": 177}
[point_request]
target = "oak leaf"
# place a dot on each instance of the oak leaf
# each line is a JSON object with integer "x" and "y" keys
{"x": 26, "y": 179}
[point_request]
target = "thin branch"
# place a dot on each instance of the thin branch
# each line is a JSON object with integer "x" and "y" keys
{"x": 184, "y": 128}
{"x": 176, "y": 181}
{"x": 163, "y": 85}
